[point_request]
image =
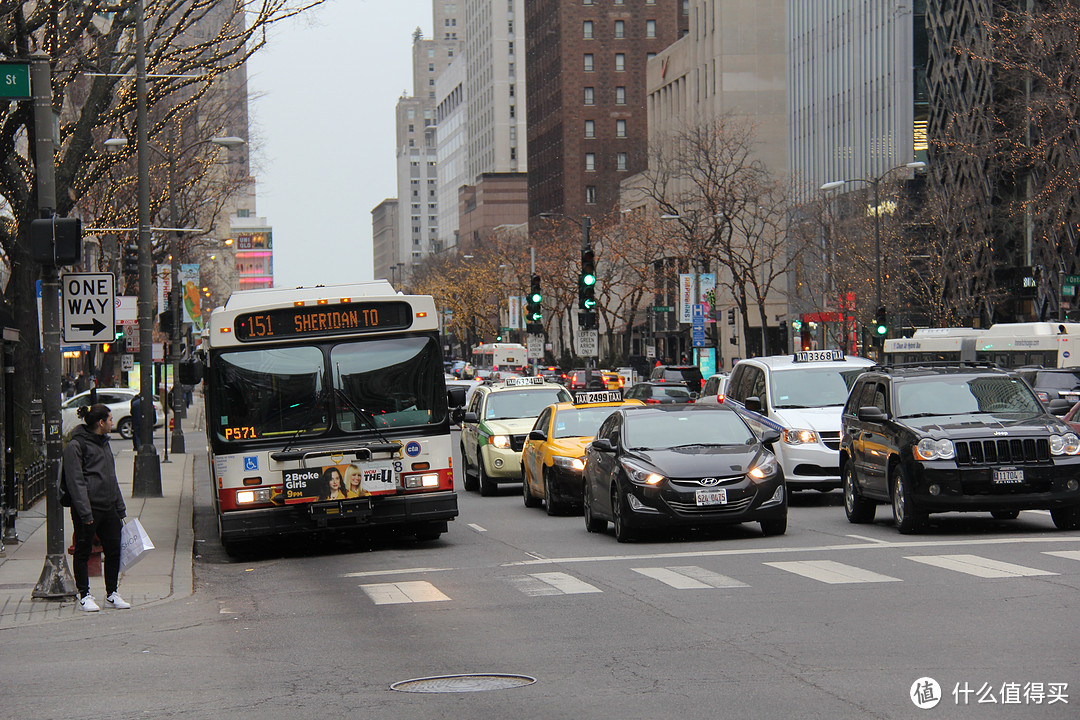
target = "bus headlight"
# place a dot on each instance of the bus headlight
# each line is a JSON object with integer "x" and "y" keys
{"x": 797, "y": 436}
{"x": 247, "y": 497}
{"x": 427, "y": 480}
{"x": 500, "y": 441}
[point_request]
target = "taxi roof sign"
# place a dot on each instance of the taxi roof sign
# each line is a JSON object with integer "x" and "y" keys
{"x": 803, "y": 356}
{"x": 597, "y": 396}
{"x": 515, "y": 381}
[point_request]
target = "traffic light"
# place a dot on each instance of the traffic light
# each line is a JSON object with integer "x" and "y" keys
{"x": 587, "y": 281}
{"x": 533, "y": 311}
{"x": 881, "y": 323}
{"x": 783, "y": 335}
{"x": 131, "y": 259}
{"x": 731, "y": 316}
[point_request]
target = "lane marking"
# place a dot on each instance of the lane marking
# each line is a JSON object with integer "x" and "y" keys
{"x": 978, "y": 566}
{"x": 1069, "y": 554}
{"x": 831, "y": 572}
{"x": 566, "y": 584}
{"x": 689, "y": 577}
{"x": 937, "y": 543}
{"x": 402, "y": 571}
{"x": 869, "y": 539}
{"x": 476, "y": 527}
{"x": 416, "y": 591}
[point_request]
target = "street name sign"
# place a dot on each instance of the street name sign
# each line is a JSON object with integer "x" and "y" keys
{"x": 88, "y": 305}
{"x": 15, "y": 80}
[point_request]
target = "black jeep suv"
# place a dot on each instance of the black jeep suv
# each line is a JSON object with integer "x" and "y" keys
{"x": 955, "y": 437}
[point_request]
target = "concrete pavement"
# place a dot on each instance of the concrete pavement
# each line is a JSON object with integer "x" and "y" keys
{"x": 165, "y": 573}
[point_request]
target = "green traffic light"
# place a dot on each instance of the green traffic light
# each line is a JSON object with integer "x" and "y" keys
{"x": 536, "y": 298}
{"x": 588, "y": 279}
{"x": 590, "y": 303}
{"x": 881, "y": 329}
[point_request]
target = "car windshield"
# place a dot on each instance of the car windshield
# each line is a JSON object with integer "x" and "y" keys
{"x": 580, "y": 422}
{"x": 946, "y": 396}
{"x": 522, "y": 403}
{"x": 660, "y": 430}
{"x": 812, "y": 387}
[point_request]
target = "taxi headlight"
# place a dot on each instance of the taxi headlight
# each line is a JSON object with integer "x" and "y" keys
{"x": 568, "y": 463}
{"x": 930, "y": 449}
{"x": 797, "y": 436}
{"x": 500, "y": 441}
{"x": 1067, "y": 444}
{"x": 765, "y": 468}
{"x": 640, "y": 475}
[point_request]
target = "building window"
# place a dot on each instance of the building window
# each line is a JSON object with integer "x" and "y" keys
{"x": 587, "y": 29}
{"x": 620, "y": 62}
{"x": 620, "y": 95}
{"x": 650, "y": 28}
{"x": 588, "y": 96}
{"x": 590, "y": 162}
{"x": 588, "y": 62}
{"x": 586, "y": 2}
{"x": 590, "y": 194}
{"x": 620, "y": 128}
{"x": 650, "y": 56}
{"x": 512, "y": 110}
{"x": 620, "y": 161}
{"x": 590, "y": 129}
{"x": 620, "y": 28}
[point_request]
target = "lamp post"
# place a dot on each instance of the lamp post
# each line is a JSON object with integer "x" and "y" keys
{"x": 875, "y": 183}
{"x": 175, "y": 302}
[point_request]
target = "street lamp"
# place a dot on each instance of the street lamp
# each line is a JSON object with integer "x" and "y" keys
{"x": 875, "y": 183}
{"x": 177, "y": 440}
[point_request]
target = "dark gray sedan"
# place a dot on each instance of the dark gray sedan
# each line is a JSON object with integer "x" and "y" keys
{"x": 652, "y": 393}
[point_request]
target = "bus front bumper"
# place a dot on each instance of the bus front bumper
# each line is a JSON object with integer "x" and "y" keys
{"x": 382, "y": 512}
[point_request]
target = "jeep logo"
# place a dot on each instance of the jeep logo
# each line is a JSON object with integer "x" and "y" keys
{"x": 1001, "y": 432}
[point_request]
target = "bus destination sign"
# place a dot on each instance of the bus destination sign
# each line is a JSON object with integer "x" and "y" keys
{"x": 343, "y": 319}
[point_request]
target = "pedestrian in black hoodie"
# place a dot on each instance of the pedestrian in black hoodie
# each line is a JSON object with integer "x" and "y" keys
{"x": 97, "y": 506}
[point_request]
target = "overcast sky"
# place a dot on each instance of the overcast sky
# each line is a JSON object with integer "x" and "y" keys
{"x": 322, "y": 124}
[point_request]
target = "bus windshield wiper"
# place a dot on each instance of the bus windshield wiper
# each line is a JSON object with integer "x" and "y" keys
{"x": 359, "y": 412}
{"x": 305, "y": 424}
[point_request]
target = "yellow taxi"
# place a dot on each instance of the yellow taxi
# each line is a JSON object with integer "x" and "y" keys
{"x": 551, "y": 458}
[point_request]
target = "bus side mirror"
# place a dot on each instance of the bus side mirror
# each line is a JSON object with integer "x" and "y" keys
{"x": 455, "y": 397}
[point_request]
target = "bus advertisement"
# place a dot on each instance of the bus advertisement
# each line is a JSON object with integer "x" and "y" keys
{"x": 327, "y": 410}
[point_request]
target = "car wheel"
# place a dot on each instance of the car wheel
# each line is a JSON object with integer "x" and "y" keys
{"x": 908, "y": 517}
{"x": 124, "y": 427}
{"x": 1004, "y": 514}
{"x": 531, "y": 501}
{"x": 470, "y": 482}
{"x": 858, "y": 509}
{"x": 1066, "y": 518}
{"x": 487, "y": 485}
{"x": 592, "y": 524}
{"x": 619, "y": 512}
{"x": 551, "y": 505}
{"x": 773, "y": 527}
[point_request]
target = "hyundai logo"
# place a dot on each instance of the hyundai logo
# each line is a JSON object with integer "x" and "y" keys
{"x": 709, "y": 481}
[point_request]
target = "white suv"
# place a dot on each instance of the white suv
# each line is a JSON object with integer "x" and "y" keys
{"x": 802, "y": 396}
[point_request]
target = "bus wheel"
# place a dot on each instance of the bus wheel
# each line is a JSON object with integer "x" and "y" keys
{"x": 470, "y": 483}
{"x": 487, "y": 485}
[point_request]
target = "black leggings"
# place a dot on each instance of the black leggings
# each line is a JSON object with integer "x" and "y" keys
{"x": 107, "y": 525}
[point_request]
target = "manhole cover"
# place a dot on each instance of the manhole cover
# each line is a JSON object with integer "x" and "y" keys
{"x": 463, "y": 683}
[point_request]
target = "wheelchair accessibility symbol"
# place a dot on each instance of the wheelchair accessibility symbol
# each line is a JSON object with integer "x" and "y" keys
{"x": 251, "y": 462}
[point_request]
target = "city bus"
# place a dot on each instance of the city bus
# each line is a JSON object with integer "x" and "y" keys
{"x": 500, "y": 356}
{"x": 1009, "y": 345}
{"x": 326, "y": 410}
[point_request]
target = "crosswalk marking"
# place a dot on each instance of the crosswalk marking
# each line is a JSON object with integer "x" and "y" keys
{"x": 1069, "y": 554}
{"x": 403, "y": 592}
{"x": 978, "y": 566}
{"x": 689, "y": 577}
{"x": 828, "y": 571}
{"x": 552, "y": 583}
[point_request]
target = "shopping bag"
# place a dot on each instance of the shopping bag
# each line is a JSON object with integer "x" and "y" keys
{"x": 134, "y": 543}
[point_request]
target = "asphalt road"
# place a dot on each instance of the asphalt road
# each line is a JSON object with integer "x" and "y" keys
{"x": 829, "y": 621}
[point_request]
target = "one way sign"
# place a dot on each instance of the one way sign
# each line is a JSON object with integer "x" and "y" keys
{"x": 89, "y": 307}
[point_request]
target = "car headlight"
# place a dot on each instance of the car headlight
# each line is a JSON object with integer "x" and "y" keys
{"x": 930, "y": 449}
{"x": 764, "y": 468}
{"x": 568, "y": 463}
{"x": 798, "y": 436}
{"x": 1067, "y": 444}
{"x": 500, "y": 441}
{"x": 641, "y": 475}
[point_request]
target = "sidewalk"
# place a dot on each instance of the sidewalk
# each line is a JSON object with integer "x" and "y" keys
{"x": 164, "y": 574}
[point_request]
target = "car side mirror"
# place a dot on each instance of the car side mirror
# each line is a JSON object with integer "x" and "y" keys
{"x": 753, "y": 403}
{"x": 769, "y": 438}
{"x": 470, "y": 417}
{"x": 603, "y": 445}
{"x": 871, "y": 413}
{"x": 537, "y": 435}
{"x": 455, "y": 415}
{"x": 1059, "y": 406}
{"x": 455, "y": 396}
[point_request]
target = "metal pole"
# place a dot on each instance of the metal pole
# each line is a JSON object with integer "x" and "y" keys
{"x": 147, "y": 470}
{"x": 586, "y": 245}
{"x": 877, "y": 238}
{"x": 178, "y": 445}
{"x": 55, "y": 582}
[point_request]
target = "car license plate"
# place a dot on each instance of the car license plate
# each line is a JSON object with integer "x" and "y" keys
{"x": 1008, "y": 477}
{"x": 712, "y": 497}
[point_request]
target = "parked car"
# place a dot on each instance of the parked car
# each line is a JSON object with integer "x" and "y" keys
{"x": 652, "y": 393}
{"x": 712, "y": 393}
{"x": 119, "y": 402}
{"x": 681, "y": 465}
{"x": 965, "y": 438}
{"x": 1053, "y": 383}
{"x": 688, "y": 375}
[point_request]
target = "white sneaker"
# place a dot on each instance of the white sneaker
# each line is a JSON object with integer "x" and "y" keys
{"x": 118, "y": 602}
{"x": 87, "y": 603}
